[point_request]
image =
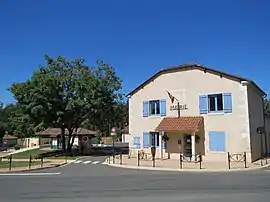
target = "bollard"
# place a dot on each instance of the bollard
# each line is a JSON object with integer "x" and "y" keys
{"x": 180, "y": 161}
{"x": 73, "y": 155}
{"x": 41, "y": 161}
{"x": 229, "y": 160}
{"x": 30, "y": 161}
{"x": 200, "y": 158}
{"x": 10, "y": 162}
{"x": 121, "y": 159}
{"x": 154, "y": 161}
{"x": 138, "y": 159}
{"x": 245, "y": 159}
{"x": 66, "y": 157}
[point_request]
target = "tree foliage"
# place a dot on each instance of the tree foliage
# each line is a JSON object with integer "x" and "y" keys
{"x": 267, "y": 107}
{"x": 65, "y": 94}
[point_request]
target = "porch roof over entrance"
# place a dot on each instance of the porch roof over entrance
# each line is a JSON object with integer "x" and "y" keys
{"x": 185, "y": 123}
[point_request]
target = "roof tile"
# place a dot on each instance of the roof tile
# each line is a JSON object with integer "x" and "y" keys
{"x": 185, "y": 123}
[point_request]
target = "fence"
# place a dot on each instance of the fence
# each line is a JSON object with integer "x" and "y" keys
{"x": 190, "y": 159}
{"x": 237, "y": 157}
{"x": 9, "y": 163}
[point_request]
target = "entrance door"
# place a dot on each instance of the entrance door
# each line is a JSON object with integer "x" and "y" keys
{"x": 187, "y": 146}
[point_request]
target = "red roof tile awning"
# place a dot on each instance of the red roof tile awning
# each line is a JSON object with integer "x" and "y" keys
{"x": 184, "y": 124}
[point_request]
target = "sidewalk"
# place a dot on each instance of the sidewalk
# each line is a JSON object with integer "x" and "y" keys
{"x": 174, "y": 165}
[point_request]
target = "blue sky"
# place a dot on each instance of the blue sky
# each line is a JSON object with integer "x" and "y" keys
{"x": 138, "y": 37}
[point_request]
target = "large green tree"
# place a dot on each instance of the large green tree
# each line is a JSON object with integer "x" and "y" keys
{"x": 65, "y": 93}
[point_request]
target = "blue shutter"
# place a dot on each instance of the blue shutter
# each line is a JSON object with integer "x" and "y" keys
{"x": 162, "y": 107}
{"x": 227, "y": 102}
{"x": 145, "y": 108}
{"x": 203, "y": 104}
{"x": 217, "y": 141}
{"x": 137, "y": 143}
{"x": 145, "y": 140}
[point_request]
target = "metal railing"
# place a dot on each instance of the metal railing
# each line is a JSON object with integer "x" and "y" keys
{"x": 190, "y": 159}
{"x": 237, "y": 157}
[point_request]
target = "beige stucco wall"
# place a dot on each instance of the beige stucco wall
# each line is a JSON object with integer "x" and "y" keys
{"x": 187, "y": 86}
{"x": 255, "y": 106}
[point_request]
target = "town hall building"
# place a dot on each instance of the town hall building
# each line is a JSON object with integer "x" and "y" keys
{"x": 218, "y": 113}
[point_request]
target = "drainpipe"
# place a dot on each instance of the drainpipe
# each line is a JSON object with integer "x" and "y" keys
{"x": 265, "y": 134}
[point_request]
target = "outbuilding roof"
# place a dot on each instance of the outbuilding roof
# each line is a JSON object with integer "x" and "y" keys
{"x": 53, "y": 132}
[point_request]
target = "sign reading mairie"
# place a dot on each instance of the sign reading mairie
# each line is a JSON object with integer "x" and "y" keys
{"x": 181, "y": 107}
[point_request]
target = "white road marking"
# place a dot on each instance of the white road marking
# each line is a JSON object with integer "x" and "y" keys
{"x": 86, "y": 162}
{"x": 78, "y": 161}
{"x": 27, "y": 174}
{"x": 95, "y": 162}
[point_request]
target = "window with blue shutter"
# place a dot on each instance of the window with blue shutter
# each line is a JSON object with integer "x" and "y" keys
{"x": 145, "y": 139}
{"x": 163, "y": 107}
{"x": 227, "y": 101}
{"x": 217, "y": 141}
{"x": 215, "y": 103}
{"x": 203, "y": 104}
{"x": 145, "y": 108}
{"x": 137, "y": 142}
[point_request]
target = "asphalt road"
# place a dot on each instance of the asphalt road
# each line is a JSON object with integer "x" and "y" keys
{"x": 89, "y": 180}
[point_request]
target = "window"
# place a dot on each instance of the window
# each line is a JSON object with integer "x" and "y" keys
{"x": 221, "y": 102}
{"x": 154, "y": 107}
{"x": 215, "y": 102}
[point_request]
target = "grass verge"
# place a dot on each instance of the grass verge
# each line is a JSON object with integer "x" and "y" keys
{"x": 26, "y": 154}
{"x": 16, "y": 164}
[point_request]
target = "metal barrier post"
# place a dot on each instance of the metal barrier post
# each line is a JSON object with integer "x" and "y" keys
{"x": 41, "y": 161}
{"x": 200, "y": 159}
{"x": 180, "y": 161}
{"x": 121, "y": 159}
{"x": 138, "y": 159}
{"x": 30, "y": 161}
{"x": 154, "y": 162}
{"x": 229, "y": 160}
{"x": 66, "y": 157}
{"x": 10, "y": 162}
{"x": 245, "y": 159}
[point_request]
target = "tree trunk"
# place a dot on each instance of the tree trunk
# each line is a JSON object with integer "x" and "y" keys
{"x": 70, "y": 143}
{"x": 63, "y": 138}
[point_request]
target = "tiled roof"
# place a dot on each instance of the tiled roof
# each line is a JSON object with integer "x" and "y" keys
{"x": 185, "y": 123}
{"x": 186, "y": 67}
{"x": 53, "y": 132}
{"x": 9, "y": 137}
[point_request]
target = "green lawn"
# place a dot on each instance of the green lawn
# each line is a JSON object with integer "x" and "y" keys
{"x": 35, "y": 152}
{"x": 15, "y": 164}
{"x": 26, "y": 154}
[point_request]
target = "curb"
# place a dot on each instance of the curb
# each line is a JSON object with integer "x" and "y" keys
{"x": 186, "y": 170}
